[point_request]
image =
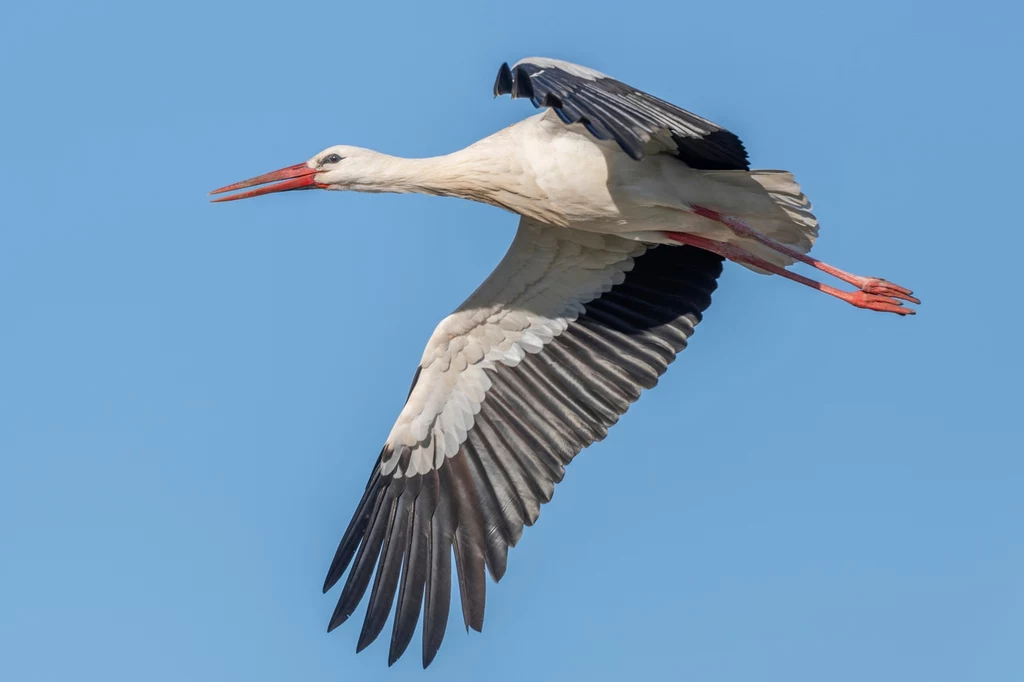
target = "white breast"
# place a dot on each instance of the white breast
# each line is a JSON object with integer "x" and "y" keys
{"x": 570, "y": 173}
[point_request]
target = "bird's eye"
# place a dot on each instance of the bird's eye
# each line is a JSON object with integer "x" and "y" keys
{"x": 331, "y": 158}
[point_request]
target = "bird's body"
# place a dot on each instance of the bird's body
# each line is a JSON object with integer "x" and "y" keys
{"x": 628, "y": 206}
{"x": 560, "y": 175}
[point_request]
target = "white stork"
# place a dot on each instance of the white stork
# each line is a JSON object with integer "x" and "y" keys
{"x": 595, "y": 297}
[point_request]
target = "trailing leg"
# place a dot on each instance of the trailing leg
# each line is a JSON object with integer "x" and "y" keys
{"x": 869, "y": 285}
{"x": 869, "y": 300}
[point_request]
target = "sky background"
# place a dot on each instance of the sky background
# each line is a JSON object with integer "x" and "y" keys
{"x": 192, "y": 395}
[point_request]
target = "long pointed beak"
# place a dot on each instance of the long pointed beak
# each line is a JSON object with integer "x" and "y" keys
{"x": 299, "y": 176}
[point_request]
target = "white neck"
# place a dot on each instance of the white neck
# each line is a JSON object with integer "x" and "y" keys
{"x": 467, "y": 174}
{"x": 400, "y": 175}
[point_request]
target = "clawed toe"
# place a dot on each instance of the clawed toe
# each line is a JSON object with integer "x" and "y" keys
{"x": 881, "y": 303}
{"x": 881, "y": 287}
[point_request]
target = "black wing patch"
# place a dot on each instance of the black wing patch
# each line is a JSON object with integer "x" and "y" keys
{"x": 612, "y": 110}
{"x": 535, "y": 418}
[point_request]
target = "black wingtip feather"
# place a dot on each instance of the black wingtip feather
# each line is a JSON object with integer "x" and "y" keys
{"x": 415, "y": 566}
{"x": 357, "y": 527}
{"x": 437, "y": 601}
{"x": 366, "y": 557}
{"x": 521, "y": 85}
{"x": 503, "y": 83}
{"x": 471, "y": 570}
{"x": 382, "y": 595}
{"x": 469, "y": 542}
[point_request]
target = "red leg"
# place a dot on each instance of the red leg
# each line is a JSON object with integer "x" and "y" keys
{"x": 860, "y": 299}
{"x": 869, "y": 285}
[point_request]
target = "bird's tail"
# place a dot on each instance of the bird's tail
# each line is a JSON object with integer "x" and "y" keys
{"x": 791, "y": 221}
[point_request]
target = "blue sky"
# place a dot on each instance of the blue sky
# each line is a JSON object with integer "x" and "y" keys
{"x": 191, "y": 396}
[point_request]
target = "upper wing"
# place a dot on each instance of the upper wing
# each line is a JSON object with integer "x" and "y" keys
{"x": 533, "y": 367}
{"x": 613, "y": 110}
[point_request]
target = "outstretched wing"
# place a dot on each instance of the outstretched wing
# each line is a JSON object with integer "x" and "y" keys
{"x": 613, "y": 110}
{"x": 533, "y": 367}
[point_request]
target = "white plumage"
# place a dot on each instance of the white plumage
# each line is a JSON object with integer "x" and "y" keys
{"x": 541, "y": 285}
{"x": 628, "y": 205}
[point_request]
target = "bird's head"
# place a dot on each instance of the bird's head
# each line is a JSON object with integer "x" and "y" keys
{"x": 337, "y": 167}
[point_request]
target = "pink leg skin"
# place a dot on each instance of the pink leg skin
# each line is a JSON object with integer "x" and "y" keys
{"x": 869, "y": 300}
{"x": 869, "y": 285}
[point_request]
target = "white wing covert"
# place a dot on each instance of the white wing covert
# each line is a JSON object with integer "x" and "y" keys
{"x": 537, "y": 289}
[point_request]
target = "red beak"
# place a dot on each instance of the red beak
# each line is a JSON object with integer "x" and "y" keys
{"x": 299, "y": 176}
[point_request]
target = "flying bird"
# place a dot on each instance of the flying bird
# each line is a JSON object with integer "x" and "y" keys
{"x": 628, "y": 206}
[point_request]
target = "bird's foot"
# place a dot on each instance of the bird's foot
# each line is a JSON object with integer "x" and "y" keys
{"x": 880, "y": 302}
{"x": 881, "y": 287}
